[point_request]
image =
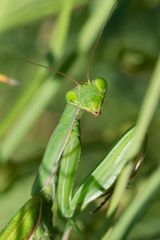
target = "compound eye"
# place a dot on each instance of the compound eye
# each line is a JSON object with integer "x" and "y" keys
{"x": 101, "y": 84}
{"x": 71, "y": 96}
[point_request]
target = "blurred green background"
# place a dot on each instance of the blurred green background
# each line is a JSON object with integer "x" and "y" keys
{"x": 62, "y": 34}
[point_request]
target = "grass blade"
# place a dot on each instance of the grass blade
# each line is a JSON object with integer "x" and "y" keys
{"x": 25, "y": 222}
{"x": 147, "y": 110}
{"x": 32, "y": 111}
{"x": 100, "y": 14}
{"x": 136, "y": 207}
{"x": 59, "y": 36}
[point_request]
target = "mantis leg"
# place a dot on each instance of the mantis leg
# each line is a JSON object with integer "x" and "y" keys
{"x": 98, "y": 182}
{"x": 105, "y": 175}
{"x": 67, "y": 171}
{"x": 44, "y": 181}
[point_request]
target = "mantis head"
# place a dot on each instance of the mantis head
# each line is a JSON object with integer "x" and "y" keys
{"x": 88, "y": 96}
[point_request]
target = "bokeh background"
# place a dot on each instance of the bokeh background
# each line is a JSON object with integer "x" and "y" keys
{"x": 62, "y": 34}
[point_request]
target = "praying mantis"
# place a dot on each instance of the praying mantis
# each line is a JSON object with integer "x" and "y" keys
{"x": 57, "y": 171}
{"x": 64, "y": 144}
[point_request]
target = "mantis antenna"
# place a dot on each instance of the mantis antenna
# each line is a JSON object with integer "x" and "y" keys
{"x": 90, "y": 59}
{"x": 51, "y": 69}
{"x": 92, "y": 55}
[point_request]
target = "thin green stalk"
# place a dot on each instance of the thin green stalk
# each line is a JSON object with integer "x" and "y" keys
{"x": 27, "y": 12}
{"x": 18, "y": 107}
{"x": 67, "y": 231}
{"x": 144, "y": 197}
{"x": 71, "y": 225}
{"x": 147, "y": 110}
{"x": 101, "y": 13}
{"x": 59, "y": 36}
{"x": 119, "y": 189}
{"x": 116, "y": 198}
{"x": 32, "y": 111}
{"x": 135, "y": 208}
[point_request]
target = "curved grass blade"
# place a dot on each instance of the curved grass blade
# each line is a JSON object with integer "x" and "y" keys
{"x": 27, "y": 12}
{"x": 135, "y": 210}
{"x": 148, "y": 108}
{"x": 23, "y": 100}
{"x": 23, "y": 225}
{"x": 31, "y": 112}
{"x": 58, "y": 38}
{"x": 100, "y": 14}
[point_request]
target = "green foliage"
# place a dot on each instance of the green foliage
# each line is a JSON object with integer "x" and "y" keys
{"x": 25, "y": 221}
{"x": 62, "y": 34}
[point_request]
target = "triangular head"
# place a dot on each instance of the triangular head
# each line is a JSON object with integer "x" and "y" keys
{"x": 88, "y": 96}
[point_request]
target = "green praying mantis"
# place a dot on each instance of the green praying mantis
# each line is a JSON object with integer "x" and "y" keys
{"x": 56, "y": 174}
{"x": 64, "y": 145}
{"x": 54, "y": 183}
